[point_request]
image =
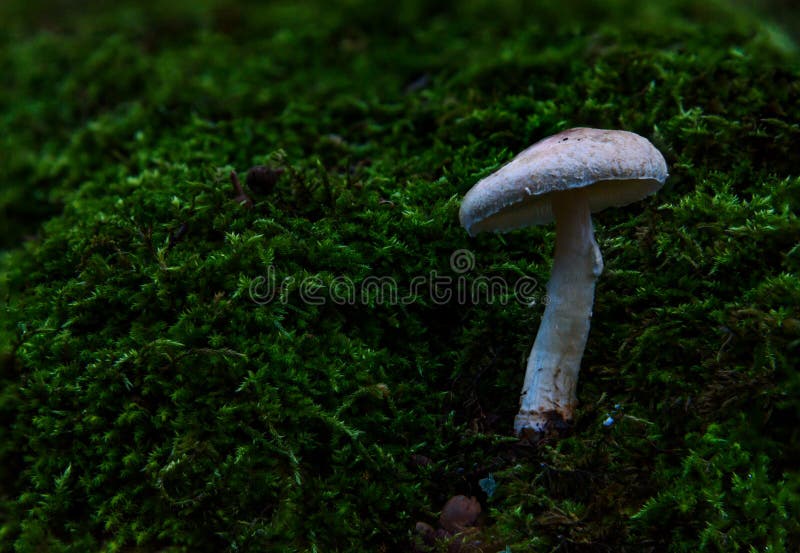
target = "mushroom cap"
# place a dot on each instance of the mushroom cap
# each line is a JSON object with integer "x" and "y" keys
{"x": 615, "y": 167}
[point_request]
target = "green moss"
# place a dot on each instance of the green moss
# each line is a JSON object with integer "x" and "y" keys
{"x": 148, "y": 403}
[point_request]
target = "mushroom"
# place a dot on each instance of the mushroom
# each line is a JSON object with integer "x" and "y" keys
{"x": 565, "y": 178}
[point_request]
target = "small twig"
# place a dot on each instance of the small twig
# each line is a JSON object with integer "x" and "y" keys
{"x": 176, "y": 235}
{"x": 241, "y": 197}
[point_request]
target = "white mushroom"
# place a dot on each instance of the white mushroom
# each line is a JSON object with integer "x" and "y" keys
{"x": 565, "y": 178}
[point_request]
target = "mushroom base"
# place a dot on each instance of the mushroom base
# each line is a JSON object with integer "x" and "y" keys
{"x": 548, "y": 394}
{"x": 538, "y": 426}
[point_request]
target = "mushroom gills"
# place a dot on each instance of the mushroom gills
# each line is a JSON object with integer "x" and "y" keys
{"x": 537, "y": 209}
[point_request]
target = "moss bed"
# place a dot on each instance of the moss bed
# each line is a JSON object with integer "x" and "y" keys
{"x": 148, "y": 403}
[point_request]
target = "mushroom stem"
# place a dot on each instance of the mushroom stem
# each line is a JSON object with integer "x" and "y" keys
{"x": 548, "y": 393}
